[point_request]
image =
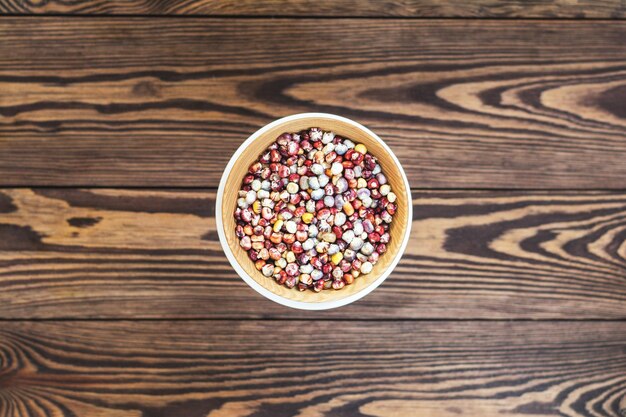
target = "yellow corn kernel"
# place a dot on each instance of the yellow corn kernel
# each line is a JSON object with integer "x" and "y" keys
{"x": 361, "y": 183}
{"x": 336, "y": 258}
{"x": 290, "y": 257}
{"x": 256, "y": 207}
{"x": 278, "y": 225}
{"x": 356, "y": 274}
{"x": 307, "y": 217}
{"x": 360, "y": 148}
{"x": 348, "y": 209}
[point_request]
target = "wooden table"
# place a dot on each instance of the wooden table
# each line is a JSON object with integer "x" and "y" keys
{"x": 118, "y": 117}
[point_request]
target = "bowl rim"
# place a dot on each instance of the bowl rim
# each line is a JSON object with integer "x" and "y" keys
{"x": 301, "y": 305}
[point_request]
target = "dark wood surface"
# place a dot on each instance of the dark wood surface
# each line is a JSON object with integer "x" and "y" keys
{"x": 165, "y": 101}
{"x": 595, "y": 9}
{"x": 304, "y": 368}
{"x": 111, "y": 253}
{"x": 116, "y": 299}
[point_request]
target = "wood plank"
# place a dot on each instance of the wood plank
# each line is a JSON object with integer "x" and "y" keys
{"x": 109, "y": 253}
{"x": 326, "y": 368}
{"x": 603, "y": 9}
{"x": 165, "y": 102}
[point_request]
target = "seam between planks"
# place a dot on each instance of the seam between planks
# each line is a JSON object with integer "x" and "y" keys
{"x": 297, "y": 17}
{"x": 210, "y": 319}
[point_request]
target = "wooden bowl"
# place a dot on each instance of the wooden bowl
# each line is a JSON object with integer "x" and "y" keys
{"x": 250, "y": 151}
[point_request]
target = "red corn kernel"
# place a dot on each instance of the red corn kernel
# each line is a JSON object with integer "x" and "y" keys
{"x": 348, "y": 165}
{"x": 274, "y": 254}
{"x": 374, "y": 237}
{"x": 323, "y": 214}
{"x": 274, "y": 156}
{"x": 301, "y": 236}
{"x": 350, "y": 195}
{"x": 318, "y": 285}
{"x": 255, "y": 168}
{"x": 290, "y": 282}
{"x": 316, "y": 263}
{"x": 283, "y": 139}
{"x": 306, "y": 145}
{"x": 283, "y": 171}
{"x": 282, "y": 277}
{"x": 338, "y": 284}
{"x": 293, "y": 148}
{"x": 296, "y": 247}
{"x": 303, "y": 258}
{"x": 357, "y": 158}
{"x": 295, "y": 199}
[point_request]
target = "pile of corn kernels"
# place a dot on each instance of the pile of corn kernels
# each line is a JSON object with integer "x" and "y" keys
{"x": 314, "y": 211}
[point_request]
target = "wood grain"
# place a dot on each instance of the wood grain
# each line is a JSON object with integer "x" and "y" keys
{"x": 336, "y": 368}
{"x": 165, "y": 102}
{"x": 108, "y": 253}
{"x": 603, "y": 9}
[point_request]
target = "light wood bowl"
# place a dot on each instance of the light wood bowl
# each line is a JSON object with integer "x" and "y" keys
{"x": 249, "y": 152}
